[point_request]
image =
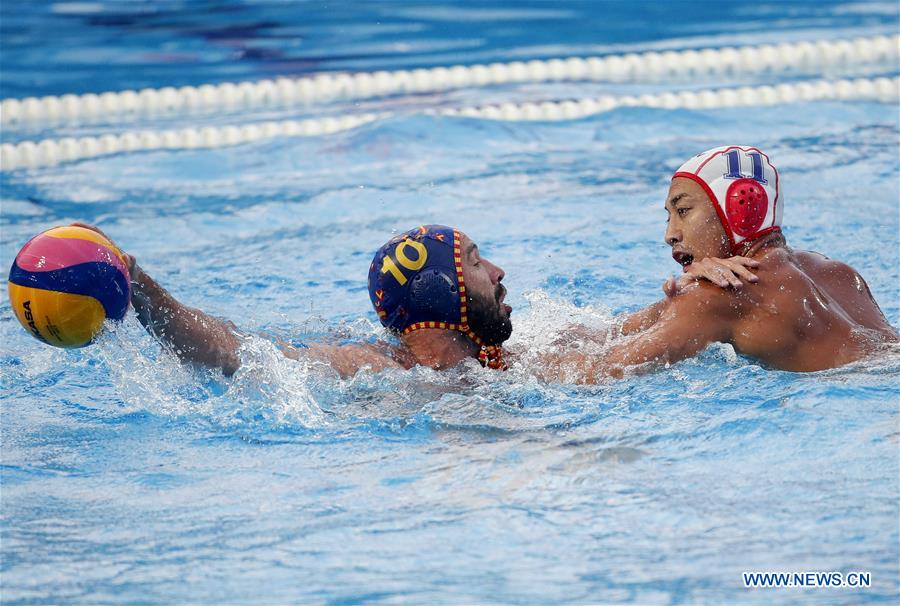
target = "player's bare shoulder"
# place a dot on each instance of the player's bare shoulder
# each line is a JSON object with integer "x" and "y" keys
{"x": 775, "y": 259}
{"x": 841, "y": 282}
{"x": 846, "y": 291}
{"x": 778, "y": 269}
{"x": 776, "y": 298}
{"x": 818, "y": 264}
{"x": 782, "y": 277}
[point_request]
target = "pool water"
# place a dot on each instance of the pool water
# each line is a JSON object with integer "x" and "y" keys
{"x": 129, "y": 478}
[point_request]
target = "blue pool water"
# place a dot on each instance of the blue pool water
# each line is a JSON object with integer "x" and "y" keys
{"x": 128, "y": 478}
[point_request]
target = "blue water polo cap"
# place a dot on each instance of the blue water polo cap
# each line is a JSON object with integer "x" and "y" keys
{"x": 416, "y": 281}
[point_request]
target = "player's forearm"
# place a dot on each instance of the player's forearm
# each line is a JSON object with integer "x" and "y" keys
{"x": 641, "y": 320}
{"x": 347, "y": 360}
{"x": 193, "y": 335}
{"x": 672, "y": 338}
{"x": 638, "y": 354}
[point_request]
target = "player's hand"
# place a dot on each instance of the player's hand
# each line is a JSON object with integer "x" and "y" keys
{"x": 725, "y": 273}
{"x": 129, "y": 260}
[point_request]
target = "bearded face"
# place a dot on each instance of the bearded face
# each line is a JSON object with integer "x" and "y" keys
{"x": 489, "y": 317}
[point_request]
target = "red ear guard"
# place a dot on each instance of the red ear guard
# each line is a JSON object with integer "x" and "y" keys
{"x": 746, "y": 204}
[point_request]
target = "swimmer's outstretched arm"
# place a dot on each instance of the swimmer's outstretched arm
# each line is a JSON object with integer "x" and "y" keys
{"x": 682, "y": 327}
{"x": 687, "y": 325}
{"x": 203, "y": 339}
{"x": 197, "y": 337}
{"x": 724, "y": 273}
{"x": 191, "y": 334}
{"x": 643, "y": 319}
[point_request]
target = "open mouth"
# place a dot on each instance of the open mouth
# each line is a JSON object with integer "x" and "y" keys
{"x": 500, "y": 297}
{"x": 682, "y": 258}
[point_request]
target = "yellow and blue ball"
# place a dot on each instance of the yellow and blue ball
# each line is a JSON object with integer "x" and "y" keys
{"x": 65, "y": 282}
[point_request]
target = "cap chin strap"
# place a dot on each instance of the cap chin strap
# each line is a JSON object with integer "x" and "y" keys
{"x": 490, "y": 356}
{"x": 744, "y": 245}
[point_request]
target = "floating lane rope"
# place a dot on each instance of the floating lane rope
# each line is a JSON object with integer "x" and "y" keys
{"x": 792, "y": 57}
{"x": 49, "y": 152}
{"x": 886, "y": 90}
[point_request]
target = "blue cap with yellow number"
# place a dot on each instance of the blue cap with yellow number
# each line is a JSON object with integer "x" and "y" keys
{"x": 416, "y": 281}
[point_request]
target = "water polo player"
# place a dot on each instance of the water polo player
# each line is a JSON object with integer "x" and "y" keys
{"x": 430, "y": 286}
{"x": 801, "y": 310}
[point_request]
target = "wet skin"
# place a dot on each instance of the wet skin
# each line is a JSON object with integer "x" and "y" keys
{"x": 800, "y": 311}
{"x": 805, "y": 312}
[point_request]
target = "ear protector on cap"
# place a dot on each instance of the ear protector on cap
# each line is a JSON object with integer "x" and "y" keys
{"x": 415, "y": 281}
{"x": 742, "y": 185}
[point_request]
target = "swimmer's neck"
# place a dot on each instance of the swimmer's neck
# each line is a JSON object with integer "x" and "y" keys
{"x": 439, "y": 348}
{"x": 759, "y": 246}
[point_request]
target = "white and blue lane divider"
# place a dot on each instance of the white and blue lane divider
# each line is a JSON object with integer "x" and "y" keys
{"x": 788, "y": 58}
{"x": 798, "y": 57}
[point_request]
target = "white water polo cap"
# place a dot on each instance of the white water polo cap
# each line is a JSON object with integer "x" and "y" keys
{"x": 743, "y": 186}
